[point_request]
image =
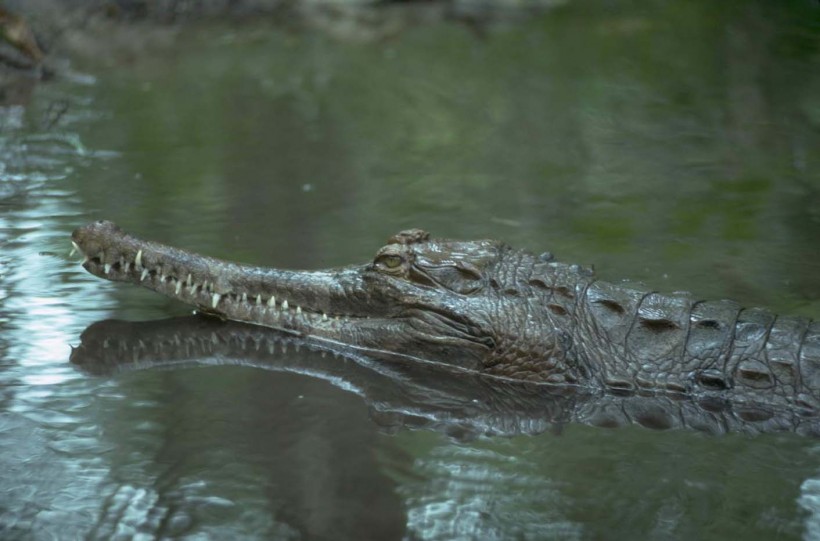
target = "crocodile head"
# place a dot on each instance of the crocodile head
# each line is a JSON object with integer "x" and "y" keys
{"x": 422, "y": 298}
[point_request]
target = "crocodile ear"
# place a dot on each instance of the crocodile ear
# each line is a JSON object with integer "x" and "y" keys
{"x": 409, "y": 236}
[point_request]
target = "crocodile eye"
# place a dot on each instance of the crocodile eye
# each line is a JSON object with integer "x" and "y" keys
{"x": 389, "y": 261}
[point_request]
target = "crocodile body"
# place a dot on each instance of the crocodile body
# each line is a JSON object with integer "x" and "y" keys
{"x": 484, "y": 307}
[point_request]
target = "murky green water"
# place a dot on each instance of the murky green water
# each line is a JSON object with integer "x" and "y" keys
{"x": 677, "y": 145}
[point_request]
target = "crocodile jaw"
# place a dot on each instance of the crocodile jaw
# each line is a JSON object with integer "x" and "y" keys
{"x": 356, "y": 306}
{"x": 319, "y": 303}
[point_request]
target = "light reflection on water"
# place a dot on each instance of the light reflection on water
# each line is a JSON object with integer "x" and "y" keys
{"x": 474, "y": 492}
{"x": 810, "y": 501}
{"x": 225, "y": 452}
{"x": 51, "y": 452}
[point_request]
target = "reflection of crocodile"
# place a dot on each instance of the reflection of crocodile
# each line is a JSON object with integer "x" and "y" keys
{"x": 415, "y": 395}
{"x": 484, "y": 307}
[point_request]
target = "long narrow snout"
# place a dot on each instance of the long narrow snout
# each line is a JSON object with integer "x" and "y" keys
{"x": 302, "y": 301}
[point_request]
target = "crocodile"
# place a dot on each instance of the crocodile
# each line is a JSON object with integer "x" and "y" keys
{"x": 485, "y": 307}
{"x": 427, "y": 396}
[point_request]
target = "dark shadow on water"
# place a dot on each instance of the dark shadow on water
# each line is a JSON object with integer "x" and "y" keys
{"x": 316, "y": 457}
{"x": 402, "y": 394}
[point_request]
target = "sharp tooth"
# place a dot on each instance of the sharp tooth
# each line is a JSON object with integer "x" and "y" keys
{"x": 74, "y": 248}
{"x": 298, "y": 310}
{"x": 107, "y": 267}
{"x": 144, "y": 274}
{"x": 85, "y": 260}
{"x": 179, "y": 287}
{"x": 215, "y": 300}
{"x": 191, "y": 288}
{"x": 138, "y": 259}
{"x": 244, "y": 297}
{"x": 161, "y": 274}
{"x": 284, "y": 305}
{"x": 259, "y": 299}
{"x": 126, "y": 267}
{"x": 272, "y": 302}
{"x": 188, "y": 279}
{"x": 324, "y": 317}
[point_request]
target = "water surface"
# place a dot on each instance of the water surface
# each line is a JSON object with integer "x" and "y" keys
{"x": 675, "y": 145}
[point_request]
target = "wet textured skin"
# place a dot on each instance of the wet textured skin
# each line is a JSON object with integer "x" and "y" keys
{"x": 485, "y": 307}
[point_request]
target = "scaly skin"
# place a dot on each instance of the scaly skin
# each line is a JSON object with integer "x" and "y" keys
{"x": 485, "y": 307}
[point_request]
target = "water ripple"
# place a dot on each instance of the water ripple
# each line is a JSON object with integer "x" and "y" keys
{"x": 475, "y": 493}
